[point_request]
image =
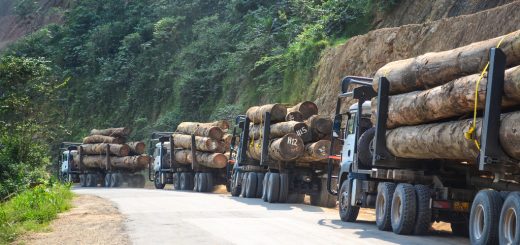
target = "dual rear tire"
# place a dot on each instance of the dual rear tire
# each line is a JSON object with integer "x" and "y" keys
{"x": 203, "y": 182}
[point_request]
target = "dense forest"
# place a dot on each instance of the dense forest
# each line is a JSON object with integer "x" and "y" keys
{"x": 149, "y": 64}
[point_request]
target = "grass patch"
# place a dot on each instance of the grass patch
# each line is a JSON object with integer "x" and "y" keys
{"x": 32, "y": 210}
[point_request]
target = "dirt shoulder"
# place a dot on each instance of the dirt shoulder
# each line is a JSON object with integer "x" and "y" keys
{"x": 93, "y": 220}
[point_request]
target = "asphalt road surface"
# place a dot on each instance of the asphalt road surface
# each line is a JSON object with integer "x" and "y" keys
{"x": 175, "y": 217}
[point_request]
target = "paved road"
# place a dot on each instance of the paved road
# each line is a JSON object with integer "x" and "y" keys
{"x": 174, "y": 217}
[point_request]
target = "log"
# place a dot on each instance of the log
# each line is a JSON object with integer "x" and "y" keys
{"x": 446, "y": 140}
{"x": 200, "y": 129}
{"x": 223, "y": 124}
{"x": 320, "y": 126}
{"x": 282, "y": 128}
{"x": 137, "y": 147}
{"x": 94, "y": 139}
{"x": 210, "y": 160}
{"x": 433, "y": 69}
{"x": 294, "y": 116}
{"x": 201, "y": 143}
{"x": 286, "y": 148}
{"x": 135, "y": 163}
{"x": 114, "y": 132}
{"x": 101, "y": 148}
{"x": 180, "y": 157}
{"x": 227, "y": 141}
{"x": 452, "y": 99}
{"x": 306, "y": 108}
{"x": 256, "y": 113}
{"x": 316, "y": 152}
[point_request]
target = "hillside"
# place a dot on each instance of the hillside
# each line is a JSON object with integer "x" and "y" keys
{"x": 151, "y": 64}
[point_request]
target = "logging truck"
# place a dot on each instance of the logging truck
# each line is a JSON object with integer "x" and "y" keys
{"x": 180, "y": 167}
{"x": 479, "y": 198}
{"x": 271, "y": 177}
{"x": 111, "y": 174}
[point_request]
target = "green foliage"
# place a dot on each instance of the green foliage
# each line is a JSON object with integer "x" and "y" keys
{"x": 33, "y": 209}
{"x": 24, "y": 8}
{"x": 151, "y": 64}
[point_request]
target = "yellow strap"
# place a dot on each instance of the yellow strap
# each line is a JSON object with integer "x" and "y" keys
{"x": 471, "y": 134}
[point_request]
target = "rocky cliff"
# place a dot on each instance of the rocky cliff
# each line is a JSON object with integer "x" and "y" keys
{"x": 363, "y": 55}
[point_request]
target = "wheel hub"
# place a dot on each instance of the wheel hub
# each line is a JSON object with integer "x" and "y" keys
{"x": 396, "y": 208}
{"x": 510, "y": 225}
{"x": 478, "y": 226}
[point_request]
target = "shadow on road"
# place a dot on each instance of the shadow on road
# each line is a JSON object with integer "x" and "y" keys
{"x": 275, "y": 206}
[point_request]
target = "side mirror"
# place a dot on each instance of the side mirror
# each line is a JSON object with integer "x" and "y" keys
{"x": 336, "y": 126}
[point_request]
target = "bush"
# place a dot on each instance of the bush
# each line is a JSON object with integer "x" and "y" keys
{"x": 33, "y": 209}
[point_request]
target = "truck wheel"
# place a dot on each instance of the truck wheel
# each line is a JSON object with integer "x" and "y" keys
{"x": 259, "y": 184}
{"x": 273, "y": 190}
{"x": 117, "y": 181}
{"x": 156, "y": 182}
{"x": 141, "y": 181}
{"x": 423, "y": 218}
{"x": 365, "y": 148}
{"x": 196, "y": 182}
{"x": 347, "y": 212}
{"x": 108, "y": 180}
{"x": 484, "y": 215}
{"x": 252, "y": 179}
{"x": 235, "y": 188}
{"x": 82, "y": 180}
{"x": 182, "y": 181}
{"x": 404, "y": 209}
{"x": 91, "y": 180}
{"x": 323, "y": 198}
{"x": 509, "y": 226}
{"x": 385, "y": 193}
{"x": 176, "y": 181}
{"x": 459, "y": 229}
{"x": 284, "y": 188}
{"x": 203, "y": 182}
{"x": 265, "y": 186}
{"x": 209, "y": 182}
{"x": 244, "y": 184}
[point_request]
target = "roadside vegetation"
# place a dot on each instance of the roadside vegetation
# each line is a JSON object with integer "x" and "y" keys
{"x": 32, "y": 210}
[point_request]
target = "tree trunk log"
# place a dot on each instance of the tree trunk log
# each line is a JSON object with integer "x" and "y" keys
{"x": 294, "y": 116}
{"x": 452, "y": 99}
{"x": 94, "y": 139}
{"x": 316, "y": 152}
{"x": 210, "y": 160}
{"x": 434, "y": 69}
{"x": 256, "y": 113}
{"x": 135, "y": 163}
{"x": 200, "y": 129}
{"x": 223, "y": 124}
{"x": 446, "y": 140}
{"x": 137, "y": 147}
{"x": 282, "y": 128}
{"x": 287, "y": 148}
{"x": 101, "y": 149}
{"x": 201, "y": 143}
{"x": 114, "y": 132}
{"x": 180, "y": 157}
{"x": 320, "y": 126}
{"x": 306, "y": 108}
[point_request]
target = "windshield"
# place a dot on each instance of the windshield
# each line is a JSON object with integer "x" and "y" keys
{"x": 350, "y": 123}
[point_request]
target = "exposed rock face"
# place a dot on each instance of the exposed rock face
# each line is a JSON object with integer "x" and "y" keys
{"x": 363, "y": 55}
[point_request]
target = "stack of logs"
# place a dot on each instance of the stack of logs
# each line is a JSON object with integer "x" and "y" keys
{"x": 297, "y": 133}
{"x": 211, "y": 142}
{"x": 121, "y": 155}
{"x": 432, "y": 92}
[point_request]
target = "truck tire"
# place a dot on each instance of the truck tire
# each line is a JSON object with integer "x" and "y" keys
{"x": 423, "y": 218}
{"x": 484, "y": 215}
{"x": 404, "y": 209}
{"x": 157, "y": 181}
{"x": 460, "y": 229}
{"x": 252, "y": 180}
{"x": 141, "y": 181}
{"x": 259, "y": 185}
{"x": 176, "y": 180}
{"x": 365, "y": 148}
{"x": 183, "y": 181}
{"x": 235, "y": 188}
{"x": 203, "y": 183}
{"x": 347, "y": 212}
{"x": 284, "y": 188}
{"x": 91, "y": 180}
{"x": 273, "y": 190}
{"x": 83, "y": 180}
{"x": 108, "y": 180}
{"x": 385, "y": 193}
{"x": 196, "y": 182}
{"x": 509, "y": 226}
{"x": 244, "y": 185}
{"x": 265, "y": 186}
{"x": 209, "y": 182}
{"x": 323, "y": 198}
